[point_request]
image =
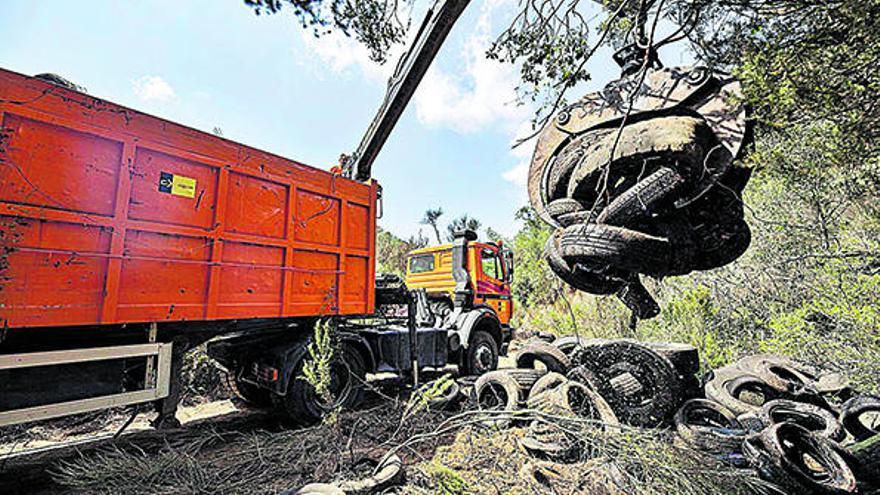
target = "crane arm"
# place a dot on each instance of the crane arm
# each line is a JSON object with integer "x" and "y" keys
{"x": 410, "y": 69}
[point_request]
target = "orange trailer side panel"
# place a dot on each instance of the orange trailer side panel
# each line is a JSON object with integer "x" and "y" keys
{"x": 110, "y": 216}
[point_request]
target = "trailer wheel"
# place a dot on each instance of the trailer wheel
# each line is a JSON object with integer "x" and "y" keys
{"x": 481, "y": 356}
{"x": 252, "y": 395}
{"x": 347, "y": 375}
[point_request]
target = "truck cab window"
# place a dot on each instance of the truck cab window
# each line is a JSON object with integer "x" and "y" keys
{"x": 421, "y": 264}
{"x": 491, "y": 265}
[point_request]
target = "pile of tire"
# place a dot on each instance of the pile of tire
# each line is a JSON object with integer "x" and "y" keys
{"x": 605, "y": 382}
{"x": 797, "y": 426}
{"x": 642, "y": 178}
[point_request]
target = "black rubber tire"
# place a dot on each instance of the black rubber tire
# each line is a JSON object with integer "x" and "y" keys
{"x": 640, "y": 385}
{"x": 250, "y": 394}
{"x": 549, "y": 355}
{"x": 788, "y": 375}
{"x": 625, "y": 249}
{"x": 481, "y": 355}
{"x": 683, "y": 141}
{"x": 553, "y": 182}
{"x": 710, "y": 427}
{"x": 563, "y": 206}
{"x": 505, "y": 389}
{"x": 301, "y": 404}
{"x": 549, "y": 381}
{"x": 810, "y": 417}
{"x": 647, "y": 197}
{"x": 575, "y": 399}
{"x": 851, "y": 412}
{"x": 779, "y": 454}
{"x": 571, "y": 344}
{"x": 583, "y": 280}
{"x": 728, "y": 387}
{"x": 577, "y": 217}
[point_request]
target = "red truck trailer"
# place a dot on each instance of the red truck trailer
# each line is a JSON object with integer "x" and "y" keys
{"x": 126, "y": 240}
{"x": 113, "y": 221}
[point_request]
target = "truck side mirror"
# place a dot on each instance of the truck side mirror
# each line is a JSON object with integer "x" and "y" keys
{"x": 508, "y": 263}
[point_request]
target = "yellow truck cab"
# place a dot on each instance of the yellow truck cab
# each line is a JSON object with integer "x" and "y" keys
{"x": 489, "y": 267}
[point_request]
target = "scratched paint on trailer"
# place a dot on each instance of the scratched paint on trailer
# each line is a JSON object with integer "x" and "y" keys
{"x": 256, "y": 206}
{"x": 164, "y": 277}
{"x": 80, "y": 178}
{"x": 316, "y": 218}
{"x": 251, "y": 278}
{"x": 55, "y": 270}
{"x": 66, "y": 169}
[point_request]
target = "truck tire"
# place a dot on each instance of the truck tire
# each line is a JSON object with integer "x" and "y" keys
{"x": 787, "y": 375}
{"x": 811, "y": 418}
{"x": 348, "y": 374}
{"x": 580, "y": 279}
{"x": 570, "y": 344}
{"x": 622, "y": 248}
{"x": 250, "y": 394}
{"x": 739, "y": 391}
{"x": 549, "y": 381}
{"x": 779, "y": 453}
{"x": 563, "y": 206}
{"x": 574, "y": 399}
{"x": 550, "y": 442}
{"x": 550, "y": 356}
{"x": 640, "y": 385}
{"x": 710, "y": 427}
{"x": 505, "y": 390}
{"x": 851, "y": 416}
{"x": 481, "y": 355}
{"x": 644, "y": 198}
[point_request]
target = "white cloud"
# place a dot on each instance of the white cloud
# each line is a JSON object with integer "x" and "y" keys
{"x": 518, "y": 175}
{"x": 153, "y": 88}
{"x": 340, "y": 52}
{"x": 482, "y": 94}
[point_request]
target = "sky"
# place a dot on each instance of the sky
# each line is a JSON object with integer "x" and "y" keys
{"x": 268, "y": 83}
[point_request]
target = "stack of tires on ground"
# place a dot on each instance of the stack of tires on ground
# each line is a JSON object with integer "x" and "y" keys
{"x": 797, "y": 426}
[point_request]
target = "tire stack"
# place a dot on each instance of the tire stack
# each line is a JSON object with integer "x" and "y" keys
{"x": 646, "y": 188}
{"x": 797, "y": 426}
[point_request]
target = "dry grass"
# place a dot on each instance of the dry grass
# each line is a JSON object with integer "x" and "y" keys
{"x": 258, "y": 462}
{"x": 620, "y": 461}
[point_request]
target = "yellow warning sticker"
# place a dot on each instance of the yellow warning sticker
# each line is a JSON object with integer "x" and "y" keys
{"x": 177, "y": 185}
{"x": 183, "y": 186}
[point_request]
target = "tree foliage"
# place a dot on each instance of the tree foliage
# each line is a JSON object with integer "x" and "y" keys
{"x": 463, "y": 222}
{"x": 432, "y": 218}
{"x": 391, "y": 251}
{"x": 378, "y": 24}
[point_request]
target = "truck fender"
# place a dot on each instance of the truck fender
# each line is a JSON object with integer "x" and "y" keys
{"x": 480, "y": 317}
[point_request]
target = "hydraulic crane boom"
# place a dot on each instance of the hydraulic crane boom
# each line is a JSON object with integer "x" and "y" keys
{"x": 411, "y": 67}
